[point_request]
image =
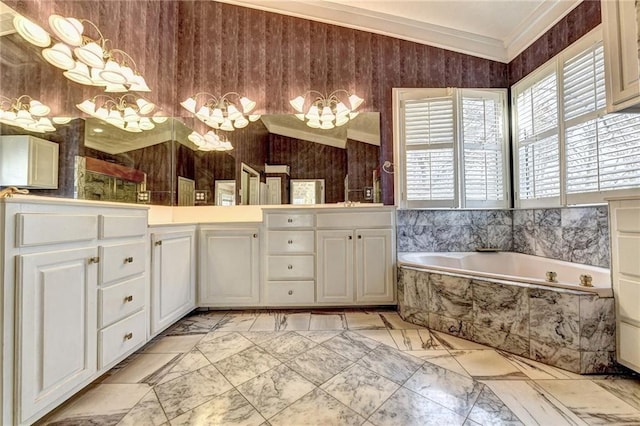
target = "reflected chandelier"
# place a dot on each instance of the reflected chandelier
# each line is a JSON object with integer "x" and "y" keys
{"x": 327, "y": 112}
{"x": 27, "y": 113}
{"x": 209, "y": 142}
{"x": 85, "y": 60}
{"x": 221, "y": 113}
{"x": 125, "y": 112}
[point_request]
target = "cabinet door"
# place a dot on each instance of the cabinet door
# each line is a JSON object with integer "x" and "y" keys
{"x": 57, "y": 325}
{"x": 173, "y": 270}
{"x": 621, "y": 50}
{"x": 335, "y": 266}
{"x": 229, "y": 271}
{"x": 374, "y": 265}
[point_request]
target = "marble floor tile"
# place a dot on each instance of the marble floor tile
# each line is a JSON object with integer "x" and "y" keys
{"x": 483, "y": 364}
{"x": 246, "y": 365}
{"x": 590, "y": 402}
{"x": 351, "y": 345}
{"x": 217, "y": 346}
{"x": 230, "y": 408}
{"x": 198, "y": 323}
{"x": 453, "y": 342}
{"x": 260, "y": 337}
{"x": 146, "y": 412}
{"x": 531, "y": 404}
{"x": 317, "y": 408}
{"x": 391, "y": 363}
{"x": 281, "y": 321}
{"x": 410, "y": 409}
{"x": 187, "y": 392}
{"x": 490, "y": 410}
{"x": 393, "y": 322}
{"x": 445, "y": 387}
{"x": 173, "y": 344}
{"x": 318, "y": 364}
{"x": 319, "y": 336}
{"x": 236, "y": 322}
{"x": 381, "y": 336}
{"x": 112, "y": 401}
{"x": 189, "y": 362}
{"x": 327, "y": 321}
{"x": 441, "y": 358}
{"x": 360, "y": 389}
{"x": 275, "y": 390}
{"x": 539, "y": 371}
{"x": 625, "y": 389}
{"x": 363, "y": 320}
{"x": 288, "y": 345}
{"x": 141, "y": 366}
{"x": 415, "y": 340}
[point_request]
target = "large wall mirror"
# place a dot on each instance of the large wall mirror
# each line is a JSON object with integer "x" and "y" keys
{"x": 275, "y": 160}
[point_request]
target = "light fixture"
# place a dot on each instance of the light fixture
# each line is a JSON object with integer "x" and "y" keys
{"x": 27, "y": 113}
{"x": 220, "y": 112}
{"x": 126, "y": 112}
{"x": 327, "y": 112}
{"x": 210, "y": 141}
{"x": 86, "y": 60}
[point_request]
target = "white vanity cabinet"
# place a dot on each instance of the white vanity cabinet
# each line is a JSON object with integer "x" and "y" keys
{"x": 229, "y": 265}
{"x": 75, "y": 284}
{"x": 173, "y": 275}
{"x": 27, "y": 161}
{"x": 622, "y": 69}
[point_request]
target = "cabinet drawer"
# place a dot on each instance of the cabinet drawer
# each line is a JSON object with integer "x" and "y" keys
{"x": 291, "y": 267}
{"x": 291, "y": 242}
{"x": 122, "y": 226}
{"x": 355, "y": 220}
{"x": 290, "y": 292}
{"x": 118, "y": 301}
{"x": 121, "y": 260}
{"x": 295, "y": 220}
{"x": 35, "y": 229}
{"x": 121, "y": 337}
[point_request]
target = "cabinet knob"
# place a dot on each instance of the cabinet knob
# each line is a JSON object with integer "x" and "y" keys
{"x": 128, "y": 336}
{"x": 290, "y": 292}
{"x": 128, "y": 260}
{"x": 158, "y": 243}
{"x": 290, "y": 220}
{"x": 350, "y": 237}
{"x": 290, "y": 267}
{"x": 255, "y": 235}
{"x": 94, "y": 260}
{"x": 359, "y": 237}
{"x": 290, "y": 242}
{"x": 128, "y": 299}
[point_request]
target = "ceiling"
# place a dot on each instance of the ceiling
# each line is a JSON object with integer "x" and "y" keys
{"x": 492, "y": 29}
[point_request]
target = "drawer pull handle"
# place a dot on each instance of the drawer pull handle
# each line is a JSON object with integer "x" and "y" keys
{"x": 128, "y": 336}
{"x": 290, "y": 267}
{"x": 158, "y": 243}
{"x": 94, "y": 260}
{"x": 255, "y": 235}
{"x": 128, "y": 260}
{"x": 128, "y": 299}
{"x": 290, "y": 292}
{"x": 290, "y": 220}
{"x": 290, "y": 242}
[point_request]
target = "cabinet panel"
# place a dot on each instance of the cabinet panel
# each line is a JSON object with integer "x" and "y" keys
{"x": 57, "y": 327}
{"x": 335, "y": 266}
{"x": 628, "y": 255}
{"x": 290, "y": 267}
{"x": 229, "y": 267}
{"x": 291, "y": 242}
{"x": 628, "y": 305}
{"x": 119, "y": 300}
{"x": 280, "y": 293}
{"x": 173, "y": 277}
{"x": 122, "y": 226}
{"x": 121, "y": 260}
{"x": 629, "y": 346}
{"x": 27, "y": 161}
{"x": 355, "y": 220}
{"x": 292, "y": 220}
{"x": 34, "y": 229}
{"x": 122, "y": 337}
{"x": 374, "y": 265}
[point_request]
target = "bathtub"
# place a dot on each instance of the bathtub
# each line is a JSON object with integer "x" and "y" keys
{"x": 514, "y": 267}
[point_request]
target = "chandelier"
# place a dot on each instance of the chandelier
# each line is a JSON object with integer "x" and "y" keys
{"x": 84, "y": 60}
{"x": 327, "y": 112}
{"x": 126, "y": 112}
{"x": 221, "y": 113}
{"x": 210, "y": 141}
{"x": 27, "y": 113}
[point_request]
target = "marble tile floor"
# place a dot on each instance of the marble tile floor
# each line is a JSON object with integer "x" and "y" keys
{"x": 338, "y": 367}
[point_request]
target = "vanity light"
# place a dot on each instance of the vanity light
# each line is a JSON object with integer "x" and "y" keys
{"x": 125, "y": 112}
{"x": 85, "y": 60}
{"x": 209, "y": 142}
{"x": 221, "y": 113}
{"x": 27, "y": 113}
{"x": 62, "y": 120}
{"x": 327, "y": 112}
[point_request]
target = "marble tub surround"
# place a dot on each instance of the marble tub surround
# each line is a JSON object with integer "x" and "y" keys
{"x": 574, "y": 234}
{"x": 569, "y": 329}
{"x": 342, "y": 377}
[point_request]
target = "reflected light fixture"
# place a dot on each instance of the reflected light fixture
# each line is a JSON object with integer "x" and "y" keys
{"x": 27, "y": 113}
{"x": 327, "y": 112}
{"x": 126, "y": 112}
{"x": 220, "y": 112}
{"x": 85, "y": 60}
{"x": 210, "y": 141}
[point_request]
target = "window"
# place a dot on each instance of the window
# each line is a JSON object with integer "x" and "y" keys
{"x": 569, "y": 151}
{"x": 452, "y": 149}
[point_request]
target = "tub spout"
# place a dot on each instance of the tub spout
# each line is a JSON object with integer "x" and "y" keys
{"x": 551, "y": 277}
{"x": 586, "y": 280}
